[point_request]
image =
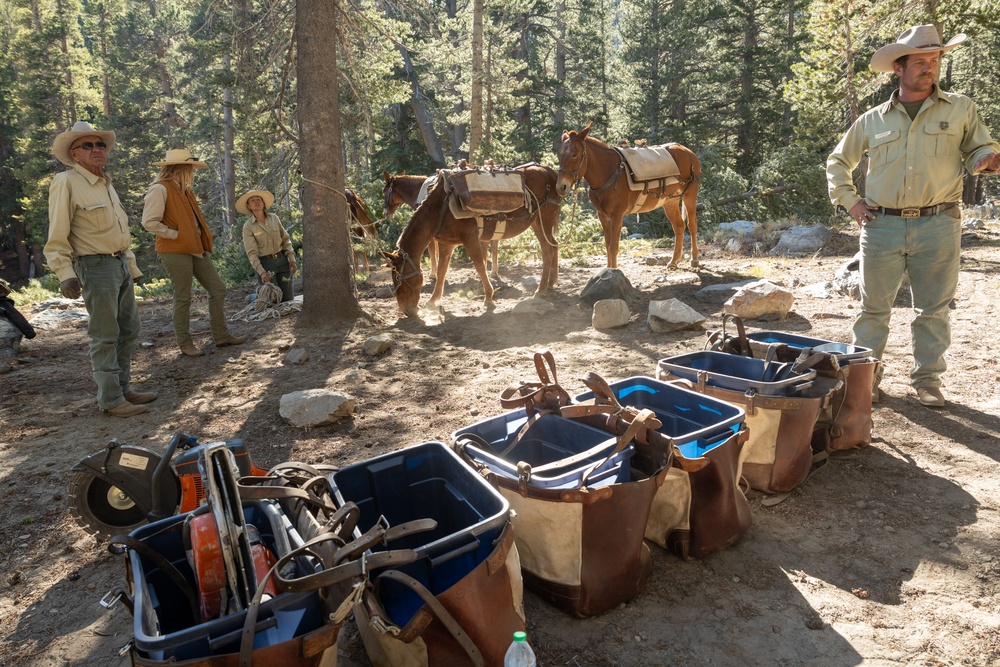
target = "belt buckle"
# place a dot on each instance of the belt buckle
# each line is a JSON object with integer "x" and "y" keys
{"x": 909, "y": 213}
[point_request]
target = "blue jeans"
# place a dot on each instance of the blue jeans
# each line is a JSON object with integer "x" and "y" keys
{"x": 928, "y": 250}
{"x": 109, "y": 294}
{"x": 182, "y": 269}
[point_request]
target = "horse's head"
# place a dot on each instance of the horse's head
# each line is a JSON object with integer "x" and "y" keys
{"x": 390, "y": 199}
{"x": 407, "y": 279}
{"x": 572, "y": 156}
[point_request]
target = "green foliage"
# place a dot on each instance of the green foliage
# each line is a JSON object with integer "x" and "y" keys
{"x": 37, "y": 290}
{"x": 156, "y": 288}
{"x": 718, "y": 181}
{"x": 805, "y": 169}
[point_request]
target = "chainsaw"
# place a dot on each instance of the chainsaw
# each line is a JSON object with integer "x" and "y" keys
{"x": 123, "y": 486}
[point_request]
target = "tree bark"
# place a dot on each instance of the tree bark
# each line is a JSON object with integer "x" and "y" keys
{"x": 476, "y": 120}
{"x": 423, "y": 117}
{"x": 228, "y": 165}
{"x": 559, "y": 114}
{"x": 329, "y": 293}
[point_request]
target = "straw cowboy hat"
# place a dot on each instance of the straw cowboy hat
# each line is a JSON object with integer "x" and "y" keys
{"x": 918, "y": 39}
{"x": 241, "y": 203}
{"x": 181, "y": 156}
{"x": 81, "y": 128}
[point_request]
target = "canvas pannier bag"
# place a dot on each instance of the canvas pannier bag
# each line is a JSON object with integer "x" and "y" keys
{"x": 778, "y": 454}
{"x": 454, "y": 628}
{"x": 700, "y": 508}
{"x": 846, "y": 422}
{"x": 581, "y": 548}
{"x": 480, "y": 192}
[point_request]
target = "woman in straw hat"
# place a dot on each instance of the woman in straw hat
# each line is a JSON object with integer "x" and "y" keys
{"x": 184, "y": 246}
{"x": 267, "y": 244}
{"x": 917, "y": 143}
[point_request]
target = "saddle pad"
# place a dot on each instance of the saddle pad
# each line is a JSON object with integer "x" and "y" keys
{"x": 424, "y": 189}
{"x": 484, "y": 192}
{"x": 653, "y": 163}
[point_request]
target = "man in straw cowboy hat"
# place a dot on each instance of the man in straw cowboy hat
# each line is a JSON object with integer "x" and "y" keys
{"x": 89, "y": 250}
{"x": 917, "y": 145}
{"x": 184, "y": 246}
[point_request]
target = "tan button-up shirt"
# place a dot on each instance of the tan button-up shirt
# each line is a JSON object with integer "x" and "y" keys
{"x": 85, "y": 218}
{"x": 910, "y": 163}
{"x": 265, "y": 239}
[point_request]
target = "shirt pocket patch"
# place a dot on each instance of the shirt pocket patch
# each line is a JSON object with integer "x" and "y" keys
{"x": 99, "y": 215}
{"x": 941, "y": 139}
{"x": 884, "y": 147}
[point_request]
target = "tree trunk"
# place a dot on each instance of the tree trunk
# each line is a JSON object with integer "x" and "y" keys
{"x": 166, "y": 85}
{"x": 423, "y": 117}
{"x": 559, "y": 114}
{"x": 476, "y": 120}
{"x": 228, "y": 165}
{"x": 329, "y": 295}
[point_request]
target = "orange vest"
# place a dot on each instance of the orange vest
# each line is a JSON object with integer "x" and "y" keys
{"x": 181, "y": 212}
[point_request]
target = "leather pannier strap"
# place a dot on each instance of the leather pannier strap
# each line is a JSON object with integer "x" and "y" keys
{"x": 439, "y": 610}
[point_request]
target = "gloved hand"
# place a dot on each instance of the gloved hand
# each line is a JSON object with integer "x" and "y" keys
{"x": 71, "y": 289}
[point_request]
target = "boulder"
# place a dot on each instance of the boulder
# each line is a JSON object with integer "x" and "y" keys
{"x": 672, "y": 315}
{"x": 721, "y": 292}
{"x": 10, "y": 339}
{"x": 609, "y": 314}
{"x": 798, "y": 241}
{"x": 315, "y": 407}
{"x": 608, "y": 284}
{"x": 533, "y": 306}
{"x": 760, "y": 300}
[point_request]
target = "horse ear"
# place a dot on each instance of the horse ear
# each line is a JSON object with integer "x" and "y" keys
{"x": 567, "y": 134}
{"x": 584, "y": 131}
{"x": 388, "y": 255}
{"x": 386, "y": 176}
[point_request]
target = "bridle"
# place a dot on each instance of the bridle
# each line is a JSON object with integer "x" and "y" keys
{"x": 581, "y": 170}
{"x": 403, "y": 278}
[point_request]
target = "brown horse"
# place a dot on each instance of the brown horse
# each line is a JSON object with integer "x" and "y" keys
{"x": 362, "y": 226}
{"x": 433, "y": 220}
{"x": 601, "y": 166}
{"x": 405, "y": 189}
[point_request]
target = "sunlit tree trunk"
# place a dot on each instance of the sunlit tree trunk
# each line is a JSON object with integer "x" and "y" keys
{"x": 329, "y": 294}
{"x": 476, "y": 120}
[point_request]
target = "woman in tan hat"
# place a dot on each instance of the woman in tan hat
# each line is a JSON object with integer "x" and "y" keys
{"x": 268, "y": 246}
{"x": 184, "y": 246}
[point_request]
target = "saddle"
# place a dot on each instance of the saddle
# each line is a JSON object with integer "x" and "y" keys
{"x": 483, "y": 191}
{"x": 650, "y": 167}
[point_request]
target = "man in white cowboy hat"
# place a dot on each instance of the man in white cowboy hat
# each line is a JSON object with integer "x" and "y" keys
{"x": 89, "y": 250}
{"x": 266, "y": 242}
{"x": 184, "y": 246}
{"x": 917, "y": 145}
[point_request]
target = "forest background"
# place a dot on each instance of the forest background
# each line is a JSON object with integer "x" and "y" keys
{"x": 761, "y": 90}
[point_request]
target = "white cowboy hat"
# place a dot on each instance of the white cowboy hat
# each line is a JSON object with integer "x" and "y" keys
{"x": 81, "y": 128}
{"x": 918, "y": 39}
{"x": 241, "y": 203}
{"x": 181, "y": 156}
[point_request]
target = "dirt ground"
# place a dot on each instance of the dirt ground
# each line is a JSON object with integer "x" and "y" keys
{"x": 889, "y": 556}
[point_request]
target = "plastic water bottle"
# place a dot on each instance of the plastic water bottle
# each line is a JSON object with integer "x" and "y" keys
{"x": 519, "y": 654}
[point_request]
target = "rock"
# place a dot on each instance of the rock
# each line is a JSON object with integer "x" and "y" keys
{"x": 820, "y": 290}
{"x": 973, "y": 223}
{"x": 608, "y": 284}
{"x": 384, "y": 292}
{"x": 377, "y": 344}
{"x": 738, "y": 228}
{"x": 530, "y": 282}
{"x": 297, "y": 355}
{"x": 610, "y": 313}
{"x": 315, "y": 407}
{"x": 5, "y": 368}
{"x": 533, "y": 306}
{"x": 672, "y": 315}
{"x": 847, "y": 280}
{"x": 657, "y": 260}
{"x": 721, "y": 292}
{"x": 759, "y": 299}
{"x": 799, "y": 241}
{"x": 55, "y": 318}
{"x": 10, "y": 339}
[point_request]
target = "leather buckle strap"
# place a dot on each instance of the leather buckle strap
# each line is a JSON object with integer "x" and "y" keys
{"x": 909, "y": 213}
{"x": 918, "y": 212}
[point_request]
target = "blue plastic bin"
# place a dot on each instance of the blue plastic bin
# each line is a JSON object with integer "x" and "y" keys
{"x": 548, "y": 440}
{"x": 426, "y": 481}
{"x": 162, "y": 623}
{"x": 737, "y": 373}
{"x": 844, "y": 353}
{"x": 686, "y": 415}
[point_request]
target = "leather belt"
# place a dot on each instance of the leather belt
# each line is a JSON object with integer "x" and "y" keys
{"x": 918, "y": 212}
{"x": 274, "y": 256}
{"x": 109, "y": 254}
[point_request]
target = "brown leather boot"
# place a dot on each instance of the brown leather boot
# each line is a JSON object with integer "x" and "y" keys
{"x": 126, "y": 409}
{"x": 229, "y": 339}
{"x": 140, "y": 397}
{"x": 188, "y": 349}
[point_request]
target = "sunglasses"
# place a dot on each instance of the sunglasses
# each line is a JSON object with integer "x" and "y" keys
{"x": 89, "y": 146}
